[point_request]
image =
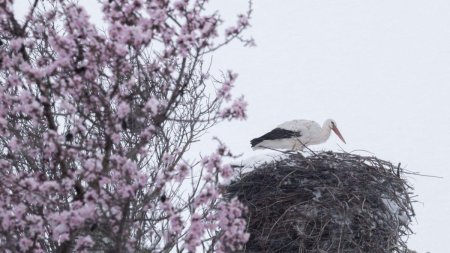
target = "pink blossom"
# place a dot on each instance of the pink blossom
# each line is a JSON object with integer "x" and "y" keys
{"x": 211, "y": 222}
{"x": 152, "y": 105}
{"x": 125, "y": 191}
{"x": 20, "y": 210}
{"x": 80, "y": 215}
{"x": 242, "y": 23}
{"x": 180, "y": 5}
{"x": 231, "y": 31}
{"x": 242, "y": 20}
{"x": 14, "y": 80}
{"x": 30, "y": 183}
{"x": 59, "y": 218}
{"x": 225, "y": 90}
{"x": 25, "y": 244}
{"x": 115, "y": 137}
{"x": 250, "y": 43}
{"x": 68, "y": 107}
{"x": 13, "y": 144}
{"x": 226, "y": 171}
{"x": 168, "y": 158}
{"x": 236, "y": 111}
{"x": 182, "y": 172}
{"x": 16, "y": 44}
{"x": 84, "y": 242}
{"x": 167, "y": 207}
{"x": 211, "y": 162}
{"x": 61, "y": 232}
{"x": 3, "y": 123}
{"x": 6, "y": 220}
{"x": 232, "y": 225}
{"x": 162, "y": 179}
{"x": 123, "y": 109}
{"x": 67, "y": 183}
{"x": 176, "y": 224}
{"x": 147, "y": 133}
{"x": 142, "y": 180}
{"x": 92, "y": 165}
{"x": 194, "y": 233}
{"x": 210, "y": 194}
{"x": 185, "y": 41}
{"x": 35, "y": 224}
{"x": 117, "y": 214}
{"x": 209, "y": 29}
{"x": 49, "y": 187}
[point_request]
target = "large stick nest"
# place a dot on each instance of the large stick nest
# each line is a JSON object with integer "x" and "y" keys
{"x": 326, "y": 202}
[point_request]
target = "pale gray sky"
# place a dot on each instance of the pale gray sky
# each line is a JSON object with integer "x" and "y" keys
{"x": 381, "y": 69}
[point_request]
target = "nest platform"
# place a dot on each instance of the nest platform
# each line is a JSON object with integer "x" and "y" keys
{"x": 326, "y": 202}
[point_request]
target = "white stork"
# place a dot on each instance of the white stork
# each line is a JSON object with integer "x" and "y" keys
{"x": 296, "y": 135}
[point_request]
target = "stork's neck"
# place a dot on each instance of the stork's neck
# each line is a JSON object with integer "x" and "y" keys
{"x": 326, "y": 131}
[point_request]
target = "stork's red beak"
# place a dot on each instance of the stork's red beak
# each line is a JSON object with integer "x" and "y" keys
{"x": 336, "y": 131}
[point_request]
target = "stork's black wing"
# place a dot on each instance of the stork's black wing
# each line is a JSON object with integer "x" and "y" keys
{"x": 277, "y": 133}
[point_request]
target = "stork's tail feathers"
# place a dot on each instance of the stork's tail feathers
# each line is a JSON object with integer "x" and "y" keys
{"x": 255, "y": 142}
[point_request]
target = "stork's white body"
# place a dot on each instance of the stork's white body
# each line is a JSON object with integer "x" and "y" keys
{"x": 296, "y": 135}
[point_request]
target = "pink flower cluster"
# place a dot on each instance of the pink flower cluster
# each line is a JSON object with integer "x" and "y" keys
{"x": 228, "y": 216}
{"x": 176, "y": 223}
{"x": 237, "y": 110}
{"x": 232, "y": 225}
{"x": 195, "y": 233}
{"x": 214, "y": 164}
{"x": 225, "y": 90}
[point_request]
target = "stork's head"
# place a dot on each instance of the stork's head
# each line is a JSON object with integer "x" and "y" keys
{"x": 332, "y": 124}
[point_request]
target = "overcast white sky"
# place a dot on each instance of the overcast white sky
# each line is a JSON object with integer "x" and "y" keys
{"x": 380, "y": 68}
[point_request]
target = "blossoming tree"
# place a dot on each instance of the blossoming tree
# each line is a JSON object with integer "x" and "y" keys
{"x": 95, "y": 123}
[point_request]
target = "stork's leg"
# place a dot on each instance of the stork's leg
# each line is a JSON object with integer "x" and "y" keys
{"x": 278, "y": 150}
{"x": 298, "y": 147}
